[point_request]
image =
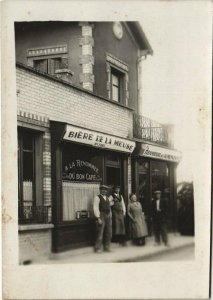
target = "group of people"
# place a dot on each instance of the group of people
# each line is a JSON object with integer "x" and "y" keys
{"x": 110, "y": 212}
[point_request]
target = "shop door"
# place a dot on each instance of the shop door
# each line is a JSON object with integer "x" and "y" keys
{"x": 113, "y": 171}
{"x": 160, "y": 180}
{"x": 143, "y": 189}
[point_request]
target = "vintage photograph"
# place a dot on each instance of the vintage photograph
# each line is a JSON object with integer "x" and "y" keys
{"x": 95, "y": 175}
{"x": 106, "y": 149}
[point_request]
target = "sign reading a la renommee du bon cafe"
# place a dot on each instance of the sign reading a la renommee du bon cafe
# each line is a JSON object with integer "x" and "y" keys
{"x": 93, "y": 138}
{"x": 160, "y": 153}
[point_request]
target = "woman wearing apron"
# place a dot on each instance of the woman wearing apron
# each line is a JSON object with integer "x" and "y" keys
{"x": 138, "y": 223}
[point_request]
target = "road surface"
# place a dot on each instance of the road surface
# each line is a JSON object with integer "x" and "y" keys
{"x": 186, "y": 253}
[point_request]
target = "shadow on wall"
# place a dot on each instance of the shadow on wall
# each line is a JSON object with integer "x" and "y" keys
{"x": 185, "y": 198}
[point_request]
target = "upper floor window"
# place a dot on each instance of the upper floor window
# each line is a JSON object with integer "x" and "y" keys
{"x": 50, "y": 65}
{"x": 117, "y": 84}
{"x": 48, "y": 59}
{"x": 118, "y": 80}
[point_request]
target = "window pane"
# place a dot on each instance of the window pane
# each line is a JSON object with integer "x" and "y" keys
{"x": 115, "y": 80}
{"x": 115, "y": 93}
{"x": 82, "y": 172}
{"x": 40, "y": 65}
{"x": 28, "y": 141}
{"x": 78, "y": 197}
{"x": 53, "y": 65}
{"x": 113, "y": 176}
{"x": 27, "y": 166}
{"x": 160, "y": 177}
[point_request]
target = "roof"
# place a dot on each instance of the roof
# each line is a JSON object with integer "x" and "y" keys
{"x": 140, "y": 36}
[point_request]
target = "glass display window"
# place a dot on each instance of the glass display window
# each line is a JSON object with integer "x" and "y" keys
{"x": 160, "y": 177}
{"x": 82, "y": 172}
{"x": 81, "y": 164}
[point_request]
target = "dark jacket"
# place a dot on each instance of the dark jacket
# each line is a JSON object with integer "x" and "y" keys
{"x": 163, "y": 209}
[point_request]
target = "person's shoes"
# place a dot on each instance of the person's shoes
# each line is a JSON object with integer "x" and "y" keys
{"x": 98, "y": 251}
{"x": 107, "y": 250}
{"x": 156, "y": 244}
{"x": 123, "y": 244}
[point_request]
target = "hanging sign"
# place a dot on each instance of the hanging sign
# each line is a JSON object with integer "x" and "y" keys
{"x": 96, "y": 139}
{"x": 160, "y": 153}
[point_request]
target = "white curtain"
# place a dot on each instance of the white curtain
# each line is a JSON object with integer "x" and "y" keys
{"x": 27, "y": 192}
{"x": 78, "y": 196}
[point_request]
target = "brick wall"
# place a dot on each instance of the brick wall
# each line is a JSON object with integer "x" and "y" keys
{"x": 43, "y": 96}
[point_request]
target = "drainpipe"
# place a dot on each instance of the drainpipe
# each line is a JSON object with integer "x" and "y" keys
{"x": 142, "y": 54}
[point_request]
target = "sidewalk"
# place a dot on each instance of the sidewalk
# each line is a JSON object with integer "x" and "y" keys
{"x": 121, "y": 254}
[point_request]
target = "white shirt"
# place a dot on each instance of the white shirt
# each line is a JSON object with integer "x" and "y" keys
{"x": 158, "y": 205}
{"x": 96, "y": 205}
{"x": 122, "y": 203}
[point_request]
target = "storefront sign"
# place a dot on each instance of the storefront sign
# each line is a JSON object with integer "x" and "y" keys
{"x": 160, "y": 153}
{"x": 100, "y": 140}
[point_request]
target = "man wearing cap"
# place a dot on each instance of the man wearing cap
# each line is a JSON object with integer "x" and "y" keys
{"x": 102, "y": 211}
{"x": 159, "y": 214}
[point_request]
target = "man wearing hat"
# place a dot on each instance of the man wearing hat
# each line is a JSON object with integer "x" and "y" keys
{"x": 102, "y": 211}
{"x": 159, "y": 214}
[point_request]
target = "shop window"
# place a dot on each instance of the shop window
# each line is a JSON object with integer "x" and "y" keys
{"x": 143, "y": 184}
{"x": 30, "y": 177}
{"x": 82, "y": 172}
{"x": 160, "y": 177}
{"x": 26, "y": 156}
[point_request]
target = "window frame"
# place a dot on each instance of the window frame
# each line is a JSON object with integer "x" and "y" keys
{"x": 121, "y": 77}
{"x": 37, "y": 183}
{"x": 119, "y": 67}
{"x": 48, "y": 59}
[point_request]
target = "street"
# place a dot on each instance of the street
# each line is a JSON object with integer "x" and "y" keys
{"x": 186, "y": 253}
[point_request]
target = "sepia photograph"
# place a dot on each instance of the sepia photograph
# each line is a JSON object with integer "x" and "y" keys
{"x": 94, "y": 173}
{"x": 111, "y": 141}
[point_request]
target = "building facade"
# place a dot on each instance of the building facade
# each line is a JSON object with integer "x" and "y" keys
{"x": 78, "y": 98}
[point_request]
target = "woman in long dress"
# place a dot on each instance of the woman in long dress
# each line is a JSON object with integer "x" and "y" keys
{"x": 138, "y": 223}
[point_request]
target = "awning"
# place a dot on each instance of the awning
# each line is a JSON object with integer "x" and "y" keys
{"x": 98, "y": 139}
{"x": 157, "y": 152}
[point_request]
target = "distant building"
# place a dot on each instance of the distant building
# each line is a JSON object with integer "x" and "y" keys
{"x": 79, "y": 98}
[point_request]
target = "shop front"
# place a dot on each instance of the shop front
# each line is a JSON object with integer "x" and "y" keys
{"x": 154, "y": 168}
{"x": 83, "y": 159}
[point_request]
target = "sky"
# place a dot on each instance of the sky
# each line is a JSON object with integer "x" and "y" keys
{"x": 176, "y": 80}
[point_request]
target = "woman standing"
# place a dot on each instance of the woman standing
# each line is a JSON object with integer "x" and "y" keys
{"x": 118, "y": 214}
{"x": 138, "y": 223}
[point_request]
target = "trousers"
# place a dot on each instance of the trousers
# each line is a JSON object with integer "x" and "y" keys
{"x": 104, "y": 231}
{"x": 160, "y": 230}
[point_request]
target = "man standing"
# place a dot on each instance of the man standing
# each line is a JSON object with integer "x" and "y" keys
{"x": 102, "y": 211}
{"x": 159, "y": 214}
{"x": 118, "y": 214}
